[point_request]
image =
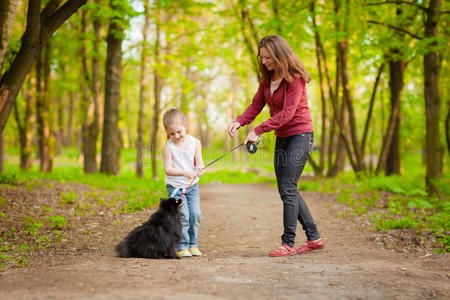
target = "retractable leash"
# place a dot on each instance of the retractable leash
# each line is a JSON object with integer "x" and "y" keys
{"x": 251, "y": 148}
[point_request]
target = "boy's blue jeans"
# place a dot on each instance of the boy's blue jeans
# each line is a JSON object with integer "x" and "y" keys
{"x": 190, "y": 215}
{"x": 291, "y": 154}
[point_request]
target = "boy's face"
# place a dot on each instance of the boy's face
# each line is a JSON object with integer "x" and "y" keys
{"x": 177, "y": 132}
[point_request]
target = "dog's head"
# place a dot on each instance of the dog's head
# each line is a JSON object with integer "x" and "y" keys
{"x": 170, "y": 203}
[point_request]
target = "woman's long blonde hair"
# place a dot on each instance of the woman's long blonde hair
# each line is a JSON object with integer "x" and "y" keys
{"x": 287, "y": 63}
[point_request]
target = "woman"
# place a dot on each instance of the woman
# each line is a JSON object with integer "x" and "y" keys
{"x": 283, "y": 88}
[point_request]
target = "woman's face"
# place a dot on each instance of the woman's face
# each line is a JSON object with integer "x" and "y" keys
{"x": 266, "y": 59}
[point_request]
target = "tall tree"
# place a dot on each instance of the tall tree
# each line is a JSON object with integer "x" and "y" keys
{"x": 40, "y": 27}
{"x": 157, "y": 87}
{"x": 143, "y": 83}
{"x": 111, "y": 135}
{"x": 7, "y": 14}
{"x": 25, "y": 124}
{"x": 43, "y": 111}
{"x": 432, "y": 100}
{"x": 91, "y": 91}
{"x": 249, "y": 32}
{"x": 339, "y": 116}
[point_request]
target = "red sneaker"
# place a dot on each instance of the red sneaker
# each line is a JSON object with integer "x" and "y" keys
{"x": 283, "y": 250}
{"x": 310, "y": 246}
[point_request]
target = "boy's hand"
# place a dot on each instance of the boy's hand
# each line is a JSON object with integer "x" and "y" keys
{"x": 189, "y": 175}
{"x": 200, "y": 172}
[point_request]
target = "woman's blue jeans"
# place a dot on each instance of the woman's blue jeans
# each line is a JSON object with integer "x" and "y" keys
{"x": 291, "y": 154}
{"x": 190, "y": 215}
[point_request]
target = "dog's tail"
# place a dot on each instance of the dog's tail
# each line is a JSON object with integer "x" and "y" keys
{"x": 123, "y": 250}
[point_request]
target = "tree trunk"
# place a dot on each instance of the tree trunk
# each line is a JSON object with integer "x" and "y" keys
{"x": 319, "y": 50}
{"x": 47, "y": 141}
{"x": 339, "y": 114}
{"x": 2, "y": 149}
{"x": 447, "y": 127}
{"x": 40, "y": 26}
{"x": 26, "y": 159}
{"x": 89, "y": 166}
{"x": 390, "y": 141}
{"x": 143, "y": 83}
{"x": 396, "y": 83}
{"x": 358, "y": 162}
{"x": 157, "y": 87}
{"x": 39, "y": 110}
{"x": 111, "y": 138}
{"x": 7, "y": 15}
{"x": 60, "y": 125}
{"x": 69, "y": 131}
{"x": 251, "y": 46}
{"x": 93, "y": 128}
{"x": 22, "y": 133}
{"x": 432, "y": 103}
{"x": 369, "y": 112}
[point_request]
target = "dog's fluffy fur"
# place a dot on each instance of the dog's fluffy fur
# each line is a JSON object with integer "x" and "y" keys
{"x": 156, "y": 238}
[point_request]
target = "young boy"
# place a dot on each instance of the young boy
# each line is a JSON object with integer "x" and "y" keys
{"x": 183, "y": 165}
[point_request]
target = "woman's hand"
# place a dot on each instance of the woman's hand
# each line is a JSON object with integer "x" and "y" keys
{"x": 232, "y": 128}
{"x": 251, "y": 138}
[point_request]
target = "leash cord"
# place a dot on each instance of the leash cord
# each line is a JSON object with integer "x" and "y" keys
{"x": 214, "y": 161}
{"x": 223, "y": 156}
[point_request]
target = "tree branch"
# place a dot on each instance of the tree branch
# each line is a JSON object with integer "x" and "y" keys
{"x": 33, "y": 21}
{"x": 395, "y": 28}
{"x": 397, "y": 2}
{"x": 49, "y": 9}
{"x": 54, "y": 21}
{"x": 369, "y": 113}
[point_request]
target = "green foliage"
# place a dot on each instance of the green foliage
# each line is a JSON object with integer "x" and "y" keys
{"x": 31, "y": 225}
{"x": 8, "y": 178}
{"x": 402, "y": 223}
{"x": 68, "y": 198}
{"x": 2, "y": 201}
{"x": 406, "y": 205}
{"x": 57, "y": 222}
{"x": 310, "y": 185}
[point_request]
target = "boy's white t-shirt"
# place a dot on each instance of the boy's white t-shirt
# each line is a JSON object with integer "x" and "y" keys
{"x": 182, "y": 159}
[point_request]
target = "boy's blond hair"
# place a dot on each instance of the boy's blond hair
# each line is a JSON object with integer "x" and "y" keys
{"x": 172, "y": 116}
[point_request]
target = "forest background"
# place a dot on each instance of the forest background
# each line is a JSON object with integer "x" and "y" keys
{"x": 84, "y": 85}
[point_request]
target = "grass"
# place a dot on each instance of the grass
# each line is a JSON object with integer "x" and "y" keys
{"x": 405, "y": 203}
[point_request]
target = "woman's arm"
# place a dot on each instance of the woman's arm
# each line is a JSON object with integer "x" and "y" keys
{"x": 292, "y": 98}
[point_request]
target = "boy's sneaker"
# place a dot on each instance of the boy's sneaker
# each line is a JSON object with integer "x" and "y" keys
{"x": 311, "y": 246}
{"x": 283, "y": 250}
{"x": 194, "y": 251}
{"x": 184, "y": 253}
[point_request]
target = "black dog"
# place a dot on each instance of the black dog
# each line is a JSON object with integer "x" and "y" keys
{"x": 158, "y": 237}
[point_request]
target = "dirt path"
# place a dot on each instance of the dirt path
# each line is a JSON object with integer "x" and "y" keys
{"x": 240, "y": 225}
